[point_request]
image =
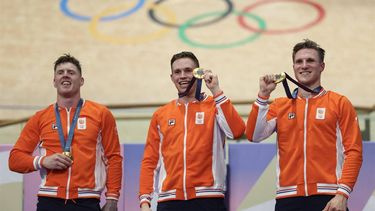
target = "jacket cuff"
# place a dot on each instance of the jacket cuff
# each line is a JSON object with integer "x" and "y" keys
{"x": 264, "y": 97}
{"x": 220, "y": 98}
{"x": 112, "y": 196}
{"x": 145, "y": 198}
{"x": 262, "y": 101}
{"x": 344, "y": 190}
{"x": 38, "y": 162}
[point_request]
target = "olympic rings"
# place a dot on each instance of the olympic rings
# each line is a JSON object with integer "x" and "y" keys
{"x": 188, "y": 23}
{"x": 129, "y": 40}
{"x": 319, "y": 8}
{"x": 65, "y": 9}
{"x": 229, "y": 9}
{"x": 169, "y": 22}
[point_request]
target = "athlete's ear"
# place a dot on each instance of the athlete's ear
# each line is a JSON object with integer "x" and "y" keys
{"x": 54, "y": 82}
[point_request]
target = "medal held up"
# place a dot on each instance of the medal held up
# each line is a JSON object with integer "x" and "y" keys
{"x": 284, "y": 77}
{"x": 198, "y": 74}
{"x": 279, "y": 77}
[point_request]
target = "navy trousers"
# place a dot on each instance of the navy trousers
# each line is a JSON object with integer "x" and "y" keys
{"x": 308, "y": 203}
{"x": 198, "y": 204}
{"x": 56, "y": 204}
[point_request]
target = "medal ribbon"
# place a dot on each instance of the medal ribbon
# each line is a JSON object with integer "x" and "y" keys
{"x": 198, "y": 95}
{"x": 287, "y": 90}
{"x": 65, "y": 144}
{"x": 197, "y": 91}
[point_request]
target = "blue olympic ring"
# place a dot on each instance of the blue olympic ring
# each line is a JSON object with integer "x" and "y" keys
{"x": 65, "y": 9}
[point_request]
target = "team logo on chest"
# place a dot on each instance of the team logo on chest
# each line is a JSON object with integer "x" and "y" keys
{"x": 199, "y": 118}
{"x": 81, "y": 123}
{"x": 320, "y": 113}
{"x": 291, "y": 115}
{"x": 171, "y": 122}
{"x": 54, "y": 127}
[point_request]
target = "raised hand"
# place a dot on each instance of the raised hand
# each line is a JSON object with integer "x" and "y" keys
{"x": 212, "y": 82}
{"x": 266, "y": 85}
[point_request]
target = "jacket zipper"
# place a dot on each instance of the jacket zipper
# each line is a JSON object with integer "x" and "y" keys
{"x": 304, "y": 146}
{"x": 69, "y": 169}
{"x": 185, "y": 136}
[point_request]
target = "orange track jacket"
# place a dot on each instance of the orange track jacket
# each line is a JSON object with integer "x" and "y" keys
{"x": 319, "y": 144}
{"x": 184, "y": 154}
{"x": 97, "y": 161}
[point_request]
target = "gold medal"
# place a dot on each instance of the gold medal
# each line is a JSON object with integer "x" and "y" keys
{"x": 279, "y": 77}
{"x": 198, "y": 73}
{"x": 68, "y": 154}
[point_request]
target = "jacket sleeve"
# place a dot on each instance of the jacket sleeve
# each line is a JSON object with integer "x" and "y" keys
{"x": 149, "y": 166}
{"x": 111, "y": 146}
{"x": 261, "y": 122}
{"x": 228, "y": 118}
{"x": 21, "y": 159}
{"x": 352, "y": 143}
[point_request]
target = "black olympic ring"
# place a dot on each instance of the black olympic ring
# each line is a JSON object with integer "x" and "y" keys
{"x": 152, "y": 15}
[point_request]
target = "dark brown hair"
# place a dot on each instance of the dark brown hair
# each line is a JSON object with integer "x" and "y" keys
{"x": 185, "y": 54}
{"x": 70, "y": 59}
{"x": 311, "y": 45}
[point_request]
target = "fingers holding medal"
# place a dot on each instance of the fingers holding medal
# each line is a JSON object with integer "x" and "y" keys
{"x": 211, "y": 79}
{"x": 69, "y": 155}
{"x": 201, "y": 73}
{"x": 198, "y": 73}
{"x": 279, "y": 77}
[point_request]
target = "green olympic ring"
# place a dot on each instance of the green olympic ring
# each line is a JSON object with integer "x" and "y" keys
{"x": 188, "y": 23}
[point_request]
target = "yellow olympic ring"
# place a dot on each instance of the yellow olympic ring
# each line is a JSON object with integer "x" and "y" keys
{"x": 135, "y": 39}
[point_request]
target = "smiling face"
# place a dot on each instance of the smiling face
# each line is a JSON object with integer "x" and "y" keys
{"x": 308, "y": 67}
{"x": 182, "y": 74}
{"x": 67, "y": 80}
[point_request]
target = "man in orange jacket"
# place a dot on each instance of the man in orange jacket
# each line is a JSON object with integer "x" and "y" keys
{"x": 183, "y": 159}
{"x": 78, "y": 144}
{"x": 318, "y": 137}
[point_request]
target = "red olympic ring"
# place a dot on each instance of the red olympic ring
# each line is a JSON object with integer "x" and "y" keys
{"x": 321, "y": 14}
